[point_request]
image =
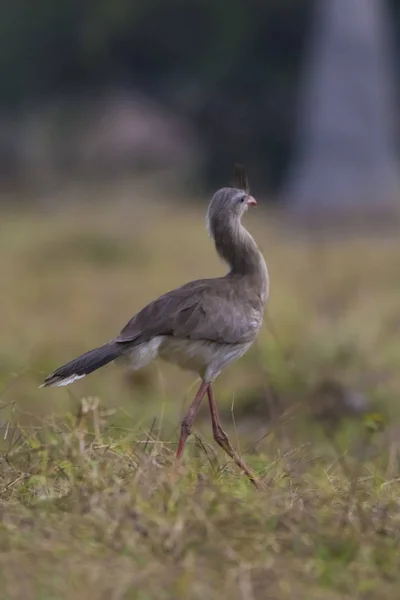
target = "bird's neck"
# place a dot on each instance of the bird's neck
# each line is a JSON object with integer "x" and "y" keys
{"x": 237, "y": 247}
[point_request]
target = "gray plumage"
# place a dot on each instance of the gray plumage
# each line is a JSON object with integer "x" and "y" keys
{"x": 203, "y": 325}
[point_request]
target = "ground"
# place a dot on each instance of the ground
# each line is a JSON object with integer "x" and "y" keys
{"x": 92, "y": 502}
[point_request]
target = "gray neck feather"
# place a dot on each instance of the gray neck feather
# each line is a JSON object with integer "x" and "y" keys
{"x": 237, "y": 247}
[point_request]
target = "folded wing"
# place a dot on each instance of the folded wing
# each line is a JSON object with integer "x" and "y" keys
{"x": 201, "y": 310}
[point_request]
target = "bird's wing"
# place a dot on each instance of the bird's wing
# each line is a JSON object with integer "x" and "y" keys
{"x": 201, "y": 310}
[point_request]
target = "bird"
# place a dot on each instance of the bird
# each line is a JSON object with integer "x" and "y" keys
{"x": 202, "y": 326}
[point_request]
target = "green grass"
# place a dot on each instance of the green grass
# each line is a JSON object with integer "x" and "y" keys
{"x": 84, "y": 515}
{"x": 96, "y": 507}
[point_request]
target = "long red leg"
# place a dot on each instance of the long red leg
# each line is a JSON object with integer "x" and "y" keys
{"x": 222, "y": 439}
{"x": 187, "y": 422}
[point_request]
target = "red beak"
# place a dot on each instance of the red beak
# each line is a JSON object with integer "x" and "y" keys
{"x": 251, "y": 201}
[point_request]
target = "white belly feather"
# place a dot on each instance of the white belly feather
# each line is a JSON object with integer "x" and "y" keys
{"x": 203, "y": 357}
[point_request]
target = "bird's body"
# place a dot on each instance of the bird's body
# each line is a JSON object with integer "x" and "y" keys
{"x": 203, "y": 325}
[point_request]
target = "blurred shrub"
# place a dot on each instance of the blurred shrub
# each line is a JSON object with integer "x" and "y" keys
{"x": 230, "y": 68}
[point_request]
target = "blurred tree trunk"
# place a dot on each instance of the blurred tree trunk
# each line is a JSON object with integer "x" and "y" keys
{"x": 345, "y": 156}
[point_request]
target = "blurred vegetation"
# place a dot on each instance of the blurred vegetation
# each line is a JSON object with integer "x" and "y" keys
{"x": 232, "y": 69}
{"x": 74, "y": 276}
{"x": 211, "y": 62}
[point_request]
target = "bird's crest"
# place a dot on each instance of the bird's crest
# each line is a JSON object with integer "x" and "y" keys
{"x": 241, "y": 179}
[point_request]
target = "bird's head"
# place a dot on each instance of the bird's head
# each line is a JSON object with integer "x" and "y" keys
{"x": 227, "y": 205}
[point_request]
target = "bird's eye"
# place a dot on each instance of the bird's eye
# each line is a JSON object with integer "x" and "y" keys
{"x": 242, "y": 199}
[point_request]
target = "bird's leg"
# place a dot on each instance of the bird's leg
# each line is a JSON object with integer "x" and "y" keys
{"x": 222, "y": 439}
{"x": 187, "y": 421}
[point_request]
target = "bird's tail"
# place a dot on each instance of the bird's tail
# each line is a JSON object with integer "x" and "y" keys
{"x": 83, "y": 365}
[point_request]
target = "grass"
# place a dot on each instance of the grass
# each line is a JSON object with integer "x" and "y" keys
{"x": 92, "y": 503}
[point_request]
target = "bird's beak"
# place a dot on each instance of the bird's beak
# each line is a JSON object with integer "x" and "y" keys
{"x": 251, "y": 201}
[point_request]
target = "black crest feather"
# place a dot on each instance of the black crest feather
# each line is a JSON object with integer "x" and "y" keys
{"x": 241, "y": 179}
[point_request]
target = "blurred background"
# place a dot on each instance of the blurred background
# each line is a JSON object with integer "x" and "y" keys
{"x": 119, "y": 118}
{"x": 106, "y": 88}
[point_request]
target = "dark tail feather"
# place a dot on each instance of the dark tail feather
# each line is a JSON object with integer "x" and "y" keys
{"x": 83, "y": 365}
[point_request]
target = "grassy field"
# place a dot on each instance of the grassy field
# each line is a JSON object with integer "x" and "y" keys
{"x": 92, "y": 503}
